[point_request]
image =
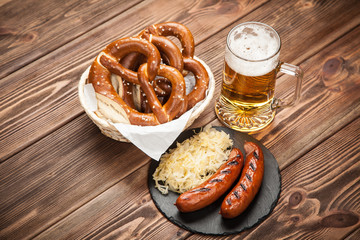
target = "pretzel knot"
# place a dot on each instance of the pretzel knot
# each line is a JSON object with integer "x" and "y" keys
{"x": 154, "y": 64}
{"x": 190, "y": 64}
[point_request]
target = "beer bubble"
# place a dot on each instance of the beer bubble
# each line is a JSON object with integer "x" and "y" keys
{"x": 252, "y": 49}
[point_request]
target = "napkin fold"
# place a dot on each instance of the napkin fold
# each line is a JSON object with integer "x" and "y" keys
{"x": 152, "y": 140}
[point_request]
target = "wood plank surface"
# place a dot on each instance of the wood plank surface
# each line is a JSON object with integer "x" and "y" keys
{"x": 27, "y": 35}
{"x": 121, "y": 217}
{"x": 61, "y": 92}
{"x": 60, "y": 176}
{"x": 330, "y": 80}
{"x": 319, "y": 195}
{"x": 347, "y": 95}
{"x": 41, "y": 185}
{"x": 300, "y": 206}
{"x": 53, "y": 78}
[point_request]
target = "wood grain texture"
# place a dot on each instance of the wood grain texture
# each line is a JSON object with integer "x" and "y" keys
{"x": 121, "y": 217}
{"x": 321, "y": 197}
{"x": 330, "y": 100}
{"x": 60, "y": 177}
{"x": 354, "y": 235}
{"x": 58, "y": 174}
{"x": 30, "y": 200}
{"x": 295, "y": 32}
{"x": 27, "y": 35}
{"x": 53, "y": 78}
{"x": 330, "y": 80}
{"x": 314, "y": 202}
{"x": 347, "y": 87}
{"x": 320, "y": 193}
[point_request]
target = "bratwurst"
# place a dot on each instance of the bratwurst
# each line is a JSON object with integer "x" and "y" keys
{"x": 249, "y": 184}
{"x": 213, "y": 188}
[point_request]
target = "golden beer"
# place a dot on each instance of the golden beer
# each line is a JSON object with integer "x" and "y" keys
{"x": 249, "y": 75}
{"x": 247, "y": 101}
{"x": 248, "y": 90}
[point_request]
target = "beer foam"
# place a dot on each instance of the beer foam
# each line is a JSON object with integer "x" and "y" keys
{"x": 252, "y": 49}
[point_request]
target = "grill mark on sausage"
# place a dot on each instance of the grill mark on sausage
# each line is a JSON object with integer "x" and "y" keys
{"x": 243, "y": 186}
{"x": 256, "y": 156}
{"x": 234, "y": 162}
{"x": 228, "y": 201}
{"x": 252, "y": 167}
{"x": 236, "y": 193}
{"x": 215, "y": 180}
{"x": 201, "y": 190}
{"x": 225, "y": 171}
{"x": 248, "y": 177}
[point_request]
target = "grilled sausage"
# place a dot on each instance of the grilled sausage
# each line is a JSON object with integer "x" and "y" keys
{"x": 213, "y": 188}
{"x": 249, "y": 183}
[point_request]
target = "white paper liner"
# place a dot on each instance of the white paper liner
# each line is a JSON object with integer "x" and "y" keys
{"x": 152, "y": 140}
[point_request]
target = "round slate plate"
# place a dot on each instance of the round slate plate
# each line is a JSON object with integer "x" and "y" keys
{"x": 208, "y": 220}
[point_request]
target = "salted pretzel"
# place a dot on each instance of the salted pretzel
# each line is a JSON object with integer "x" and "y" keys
{"x": 177, "y": 30}
{"x": 112, "y": 54}
{"x": 147, "y": 71}
{"x": 170, "y": 54}
{"x": 107, "y": 63}
{"x": 171, "y": 108}
{"x": 202, "y": 81}
{"x": 187, "y": 42}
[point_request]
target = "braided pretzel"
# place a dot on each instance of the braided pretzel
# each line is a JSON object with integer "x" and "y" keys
{"x": 157, "y": 33}
{"x": 125, "y": 87}
{"x": 171, "y": 108}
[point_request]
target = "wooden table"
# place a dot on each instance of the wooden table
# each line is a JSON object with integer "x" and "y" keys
{"x": 60, "y": 178}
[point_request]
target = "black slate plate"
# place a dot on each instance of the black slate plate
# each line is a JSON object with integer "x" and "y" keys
{"x": 208, "y": 220}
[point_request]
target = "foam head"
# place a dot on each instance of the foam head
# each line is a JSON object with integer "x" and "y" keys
{"x": 252, "y": 49}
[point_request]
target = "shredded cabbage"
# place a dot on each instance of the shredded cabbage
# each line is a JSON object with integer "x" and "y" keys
{"x": 193, "y": 161}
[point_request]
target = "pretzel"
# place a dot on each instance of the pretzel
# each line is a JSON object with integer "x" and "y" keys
{"x": 107, "y": 63}
{"x": 169, "y": 51}
{"x": 157, "y": 34}
{"x": 130, "y": 61}
{"x": 202, "y": 81}
{"x": 187, "y": 42}
{"x": 171, "y": 108}
{"x": 170, "y": 54}
{"x": 162, "y": 88}
{"x": 190, "y": 64}
{"x": 111, "y": 55}
{"x": 178, "y": 30}
{"x": 148, "y": 72}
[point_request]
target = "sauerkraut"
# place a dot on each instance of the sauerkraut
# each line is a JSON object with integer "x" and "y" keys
{"x": 193, "y": 161}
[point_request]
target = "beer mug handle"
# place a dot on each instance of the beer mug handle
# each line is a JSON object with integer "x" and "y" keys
{"x": 297, "y": 72}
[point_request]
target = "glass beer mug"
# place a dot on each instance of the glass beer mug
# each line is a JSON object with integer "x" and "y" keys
{"x": 247, "y": 102}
